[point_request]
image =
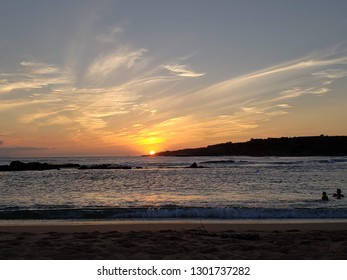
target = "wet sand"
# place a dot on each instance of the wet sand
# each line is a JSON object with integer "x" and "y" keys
{"x": 175, "y": 240}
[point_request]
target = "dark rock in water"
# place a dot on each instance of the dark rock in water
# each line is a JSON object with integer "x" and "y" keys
{"x": 21, "y": 166}
{"x": 30, "y": 166}
{"x": 68, "y": 165}
{"x": 194, "y": 165}
{"x": 97, "y": 166}
{"x": 17, "y": 165}
{"x": 105, "y": 166}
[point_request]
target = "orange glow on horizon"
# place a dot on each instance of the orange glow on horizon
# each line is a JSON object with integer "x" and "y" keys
{"x": 152, "y": 153}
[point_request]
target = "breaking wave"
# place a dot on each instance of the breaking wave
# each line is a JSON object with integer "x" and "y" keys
{"x": 169, "y": 213}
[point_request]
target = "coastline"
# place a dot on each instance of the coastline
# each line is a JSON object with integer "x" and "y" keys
{"x": 252, "y": 240}
{"x": 212, "y": 225}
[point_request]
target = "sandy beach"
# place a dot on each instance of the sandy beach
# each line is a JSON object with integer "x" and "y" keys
{"x": 175, "y": 240}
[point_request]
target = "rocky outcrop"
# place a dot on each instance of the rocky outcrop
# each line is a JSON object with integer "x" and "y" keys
{"x": 195, "y": 165}
{"x": 21, "y": 166}
{"x": 105, "y": 166}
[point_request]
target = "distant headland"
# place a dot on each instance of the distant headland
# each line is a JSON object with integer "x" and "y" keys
{"x": 285, "y": 146}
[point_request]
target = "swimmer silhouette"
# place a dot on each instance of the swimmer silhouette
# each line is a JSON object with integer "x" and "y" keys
{"x": 338, "y": 194}
{"x": 324, "y": 196}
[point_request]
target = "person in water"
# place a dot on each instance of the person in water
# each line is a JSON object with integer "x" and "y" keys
{"x": 324, "y": 196}
{"x": 338, "y": 194}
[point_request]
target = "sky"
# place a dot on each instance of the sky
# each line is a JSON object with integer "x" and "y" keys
{"x": 97, "y": 78}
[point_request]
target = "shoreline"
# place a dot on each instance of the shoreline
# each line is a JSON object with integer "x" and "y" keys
{"x": 175, "y": 240}
{"x": 176, "y": 225}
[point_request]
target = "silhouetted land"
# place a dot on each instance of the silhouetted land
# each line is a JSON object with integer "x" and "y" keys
{"x": 285, "y": 146}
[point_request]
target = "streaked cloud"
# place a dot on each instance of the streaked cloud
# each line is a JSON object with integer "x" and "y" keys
{"x": 40, "y": 68}
{"x": 22, "y": 103}
{"x": 34, "y": 75}
{"x": 105, "y": 65}
{"x": 291, "y": 69}
{"x": 299, "y": 91}
{"x": 283, "y": 106}
{"x": 182, "y": 70}
{"x": 331, "y": 74}
{"x": 7, "y": 86}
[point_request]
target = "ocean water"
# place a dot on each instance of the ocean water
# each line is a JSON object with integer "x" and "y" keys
{"x": 163, "y": 188}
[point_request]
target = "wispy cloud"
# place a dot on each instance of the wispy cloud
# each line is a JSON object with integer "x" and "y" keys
{"x": 290, "y": 70}
{"x": 7, "y": 105}
{"x": 7, "y": 86}
{"x": 283, "y": 106}
{"x": 107, "y": 64}
{"x": 34, "y": 75}
{"x": 331, "y": 74}
{"x": 182, "y": 70}
{"x": 40, "y": 68}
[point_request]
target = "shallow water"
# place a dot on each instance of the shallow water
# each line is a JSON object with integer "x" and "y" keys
{"x": 228, "y": 188}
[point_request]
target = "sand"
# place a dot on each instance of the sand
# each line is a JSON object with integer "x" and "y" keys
{"x": 175, "y": 240}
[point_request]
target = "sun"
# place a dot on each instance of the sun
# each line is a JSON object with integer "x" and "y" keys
{"x": 152, "y": 153}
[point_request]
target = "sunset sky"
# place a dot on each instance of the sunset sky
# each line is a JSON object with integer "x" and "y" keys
{"x": 126, "y": 77}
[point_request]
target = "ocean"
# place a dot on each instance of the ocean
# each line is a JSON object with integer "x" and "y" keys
{"x": 163, "y": 188}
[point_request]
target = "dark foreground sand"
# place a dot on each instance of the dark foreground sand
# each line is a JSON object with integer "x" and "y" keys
{"x": 252, "y": 241}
